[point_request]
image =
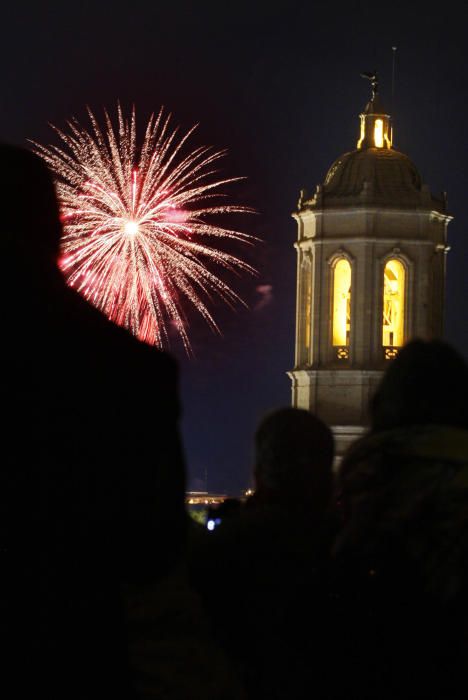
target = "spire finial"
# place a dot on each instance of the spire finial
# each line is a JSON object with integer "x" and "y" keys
{"x": 374, "y": 81}
{"x": 375, "y": 129}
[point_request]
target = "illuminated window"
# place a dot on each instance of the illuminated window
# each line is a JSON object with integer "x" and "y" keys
{"x": 341, "y": 303}
{"x": 393, "y": 304}
{"x": 362, "y": 135}
{"x": 378, "y": 133}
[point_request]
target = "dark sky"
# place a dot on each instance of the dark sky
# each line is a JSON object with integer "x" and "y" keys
{"x": 278, "y": 85}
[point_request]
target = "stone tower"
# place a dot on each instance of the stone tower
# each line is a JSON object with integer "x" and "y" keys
{"x": 371, "y": 251}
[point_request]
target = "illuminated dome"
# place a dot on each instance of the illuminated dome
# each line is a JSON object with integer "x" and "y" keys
{"x": 374, "y": 174}
{"x": 386, "y": 176}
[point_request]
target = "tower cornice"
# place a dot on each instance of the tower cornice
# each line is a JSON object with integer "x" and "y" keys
{"x": 309, "y": 212}
{"x": 306, "y": 243}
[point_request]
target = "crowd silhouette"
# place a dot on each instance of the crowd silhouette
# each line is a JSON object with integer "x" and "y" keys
{"x": 319, "y": 585}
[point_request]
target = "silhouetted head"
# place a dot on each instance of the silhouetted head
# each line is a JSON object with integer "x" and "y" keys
{"x": 293, "y": 458}
{"x": 30, "y": 226}
{"x": 426, "y": 383}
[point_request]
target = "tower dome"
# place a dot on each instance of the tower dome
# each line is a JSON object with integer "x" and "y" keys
{"x": 375, "y": 173}
{"x": 381, "y": 175}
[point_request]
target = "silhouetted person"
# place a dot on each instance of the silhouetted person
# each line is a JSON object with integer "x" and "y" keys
{"x": 402, "y": 553}
{"x": 92, "y": 478}
{"x": 293, "y": 458}
{"x": 262, "y": 574}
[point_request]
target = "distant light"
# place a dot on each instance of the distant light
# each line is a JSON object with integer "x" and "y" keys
{"x": 131, "y": 228}
{"x": 210, "y": 525}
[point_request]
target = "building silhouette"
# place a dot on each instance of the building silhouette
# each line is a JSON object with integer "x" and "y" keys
{"x": 371, "y": 251}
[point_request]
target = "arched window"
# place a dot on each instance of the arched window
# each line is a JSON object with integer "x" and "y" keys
{"x": 393, "y": 322}
{"x": 341, "y": 307}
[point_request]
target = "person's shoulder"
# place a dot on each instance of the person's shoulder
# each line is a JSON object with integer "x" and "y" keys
{"x": 92, "y": 326}
{"x": 148, "y": 355}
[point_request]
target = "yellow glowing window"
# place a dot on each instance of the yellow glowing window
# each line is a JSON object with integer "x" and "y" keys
{"x": 393, "y": 304}
{"x": 341, "y": 302}
{"x": 363, "y": 131}
{"x": 378, "y": 133}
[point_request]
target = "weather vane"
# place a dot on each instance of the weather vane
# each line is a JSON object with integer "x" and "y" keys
{"x": 374, "y": 81}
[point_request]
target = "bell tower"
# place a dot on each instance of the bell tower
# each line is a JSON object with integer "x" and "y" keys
{"x": 371, "y": 249}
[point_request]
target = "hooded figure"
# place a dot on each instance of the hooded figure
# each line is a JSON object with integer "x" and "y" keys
{"x": 92, "y": 476}
{"x": 402, "y": 551}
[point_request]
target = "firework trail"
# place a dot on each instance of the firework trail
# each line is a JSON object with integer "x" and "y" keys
{"x": 136, "y": 219}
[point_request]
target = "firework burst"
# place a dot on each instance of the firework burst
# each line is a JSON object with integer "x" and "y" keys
{"x": 138, "y": 228}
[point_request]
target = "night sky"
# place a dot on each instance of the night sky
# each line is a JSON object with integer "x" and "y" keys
{"x": 278, "y": 85}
